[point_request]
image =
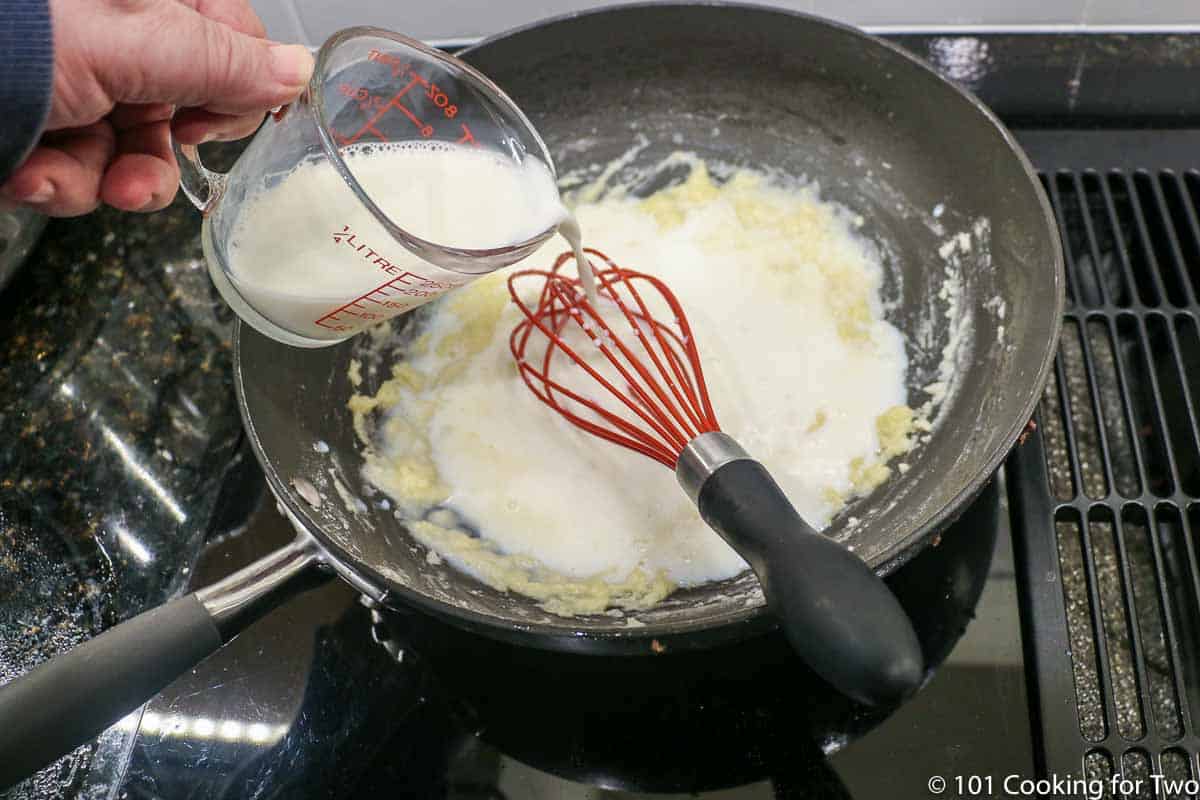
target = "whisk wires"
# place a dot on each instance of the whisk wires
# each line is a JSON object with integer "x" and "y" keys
{"x": 654, "y": 400}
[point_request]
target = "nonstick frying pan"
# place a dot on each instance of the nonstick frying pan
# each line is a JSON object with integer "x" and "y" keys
{"x": 920, "y": 160}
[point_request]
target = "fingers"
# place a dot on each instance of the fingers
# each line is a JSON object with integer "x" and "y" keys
{"x": 144, "y": 175}
{"x": 62, "y": 175}
{"x": 138, "y": 182}
{"x": 126, "y": 161}
{"x": 194, "y": 61}
{"x": 72, "y": 171}
{"x": 129, "y": 115}
{"x": 196, "y": 126}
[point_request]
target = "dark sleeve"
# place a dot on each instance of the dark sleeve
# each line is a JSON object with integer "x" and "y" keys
{"x": 26, "y": 77}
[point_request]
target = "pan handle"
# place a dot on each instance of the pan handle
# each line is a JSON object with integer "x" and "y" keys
{"x": 71, "y": 698}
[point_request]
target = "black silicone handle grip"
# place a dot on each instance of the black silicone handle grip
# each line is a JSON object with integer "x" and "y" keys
{"x": 71, "y": 698}
{"x": 841, "y": 618}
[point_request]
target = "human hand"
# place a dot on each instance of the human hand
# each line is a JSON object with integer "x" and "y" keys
{"x": 121, "y": 67}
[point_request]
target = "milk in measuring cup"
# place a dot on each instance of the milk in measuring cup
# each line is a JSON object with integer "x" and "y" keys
{"x": 310, "y": 257}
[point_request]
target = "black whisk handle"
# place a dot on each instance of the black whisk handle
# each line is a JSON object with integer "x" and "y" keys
{"x": 837, "y": 613}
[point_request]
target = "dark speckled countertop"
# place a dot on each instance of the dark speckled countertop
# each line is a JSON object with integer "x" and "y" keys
{"x": 119, "y": 418}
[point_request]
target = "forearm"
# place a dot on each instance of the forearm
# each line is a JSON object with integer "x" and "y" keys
{"x": 26, "y": 77}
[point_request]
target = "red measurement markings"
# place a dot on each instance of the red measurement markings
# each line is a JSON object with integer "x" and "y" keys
{"x": 369, "y": 126}
{"x": 397, "y": 64}
{"x": 426, "y": 130}
{"x": 342, "y": 139}
{"x": 386, "y": 300}
{"x": 367, "y": 101}
{"x": 438, "y": 97}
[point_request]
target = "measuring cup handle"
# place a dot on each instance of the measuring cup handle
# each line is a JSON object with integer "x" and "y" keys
{"x": 201, "y": 185}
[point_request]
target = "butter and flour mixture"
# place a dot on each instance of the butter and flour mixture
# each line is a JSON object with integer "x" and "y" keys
{"x": 783, "y": 298}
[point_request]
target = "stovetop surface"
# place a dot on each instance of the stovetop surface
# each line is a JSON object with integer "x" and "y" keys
{"x": 326, "y": 698}
{"x": 123, "y": 361}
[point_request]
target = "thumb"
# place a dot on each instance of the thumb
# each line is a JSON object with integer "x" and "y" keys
{"x": 191, "y": 60}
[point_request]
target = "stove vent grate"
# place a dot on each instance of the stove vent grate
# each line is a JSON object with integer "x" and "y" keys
{"x": 1106, "y": 496}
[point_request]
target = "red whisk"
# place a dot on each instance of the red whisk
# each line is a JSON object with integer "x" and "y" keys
{"x": 673, "y": 382}
{"x": 625, "y": 368}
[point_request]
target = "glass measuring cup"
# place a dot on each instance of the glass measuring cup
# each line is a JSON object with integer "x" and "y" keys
{"x": 371, "y": 90}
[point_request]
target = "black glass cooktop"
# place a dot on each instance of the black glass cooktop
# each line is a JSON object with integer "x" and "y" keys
{"x": 329, "y": 698}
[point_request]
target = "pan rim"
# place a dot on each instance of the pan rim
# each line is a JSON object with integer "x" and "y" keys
{"x": 555, "y": 636}
{"x": 898, "y": 553}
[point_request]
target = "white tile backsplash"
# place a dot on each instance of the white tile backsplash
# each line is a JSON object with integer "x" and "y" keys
{"x": 1149, "y": 12}
{"x": 940, "y": 12}
{"x": 311, "y": 21}
{"x": 282, "y": 20}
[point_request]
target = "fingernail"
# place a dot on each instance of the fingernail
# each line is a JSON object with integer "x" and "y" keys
{"x": 291, "y": 64}
{"x": 41, "y": 194}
